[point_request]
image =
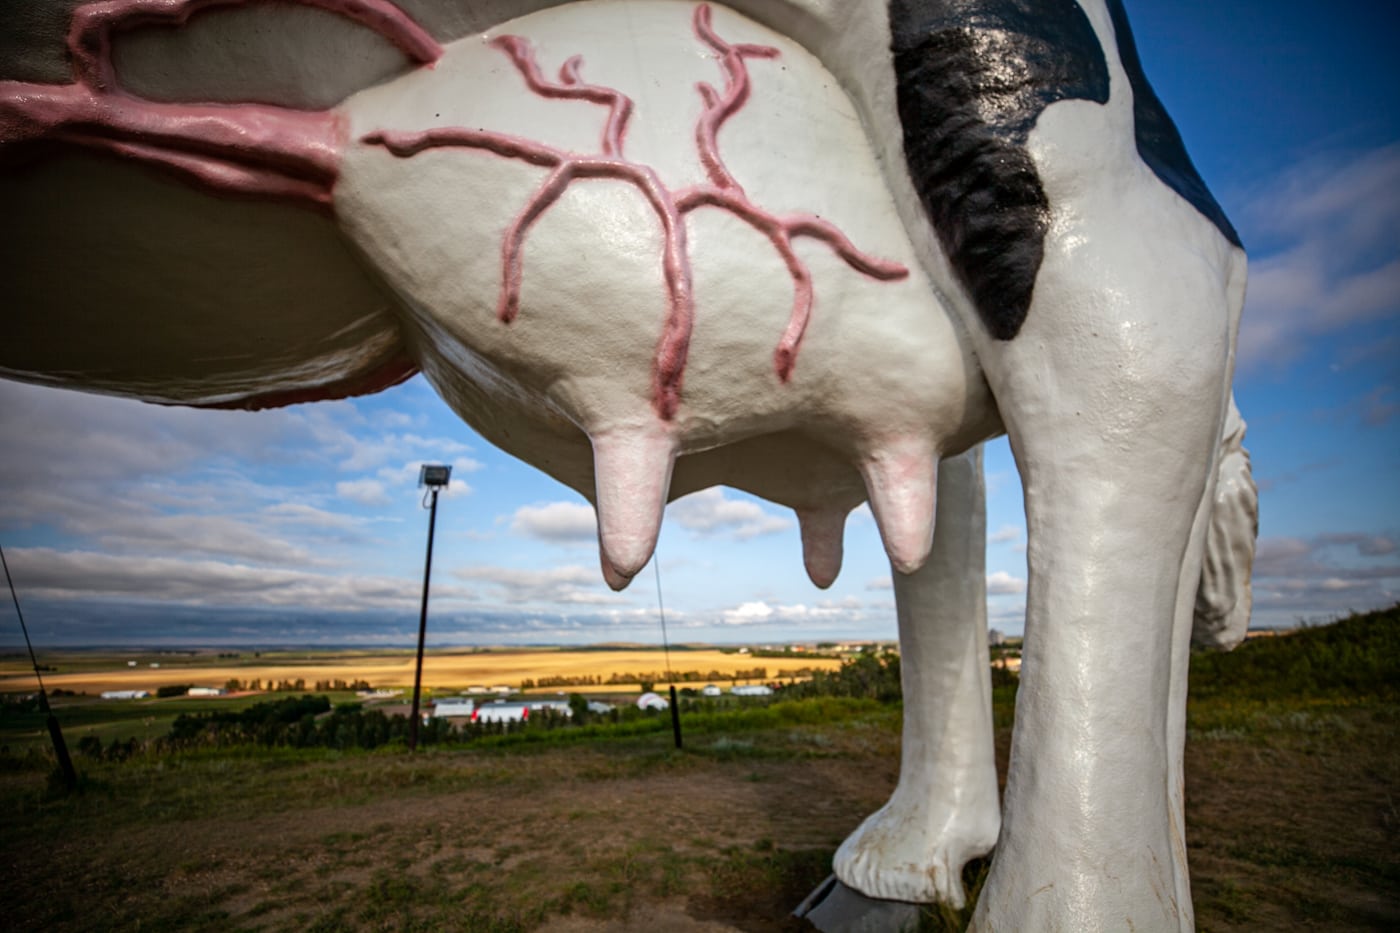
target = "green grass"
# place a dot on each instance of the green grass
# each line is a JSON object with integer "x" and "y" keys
{"x": 1293, "y": 813}
{"x": 1353, "y": 660}
{"x": 23, "y": 725}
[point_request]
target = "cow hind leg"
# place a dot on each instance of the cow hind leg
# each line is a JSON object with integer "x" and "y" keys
{"x": 1113, "y": 396}
{"x": 944, "y": 810}
{"x": 1092, "y": 828}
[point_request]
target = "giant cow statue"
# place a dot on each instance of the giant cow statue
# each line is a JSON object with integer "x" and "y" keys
{"x": 814, "y": 249}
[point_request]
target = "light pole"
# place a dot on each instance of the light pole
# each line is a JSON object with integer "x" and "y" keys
{"x": 434, "y": 477}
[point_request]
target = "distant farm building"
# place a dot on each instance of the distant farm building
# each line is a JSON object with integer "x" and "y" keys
{"x": 652, "y": 701}
{"x": 206, "y": 691}
{"x": 455, "y": 707}
{"x": 125, "y": 694}
{"x": 710, "y": 690}
{"x": 561, "y": 707}
{"x": 751, "y": 690}
{"x": 501, "y": 712}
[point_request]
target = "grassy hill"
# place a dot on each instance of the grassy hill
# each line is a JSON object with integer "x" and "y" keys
{"x": 1293, "y": 782}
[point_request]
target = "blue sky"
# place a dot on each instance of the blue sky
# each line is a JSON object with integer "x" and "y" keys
{"x": 135, "y": 524}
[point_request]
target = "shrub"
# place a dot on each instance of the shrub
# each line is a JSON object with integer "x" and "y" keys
{"x": 1353, "y": 658}
{"x": 866, "y": 676}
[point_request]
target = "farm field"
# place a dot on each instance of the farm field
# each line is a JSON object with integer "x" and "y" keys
{"x": 94, "y": 672}
{"x": 1292, "y": 772}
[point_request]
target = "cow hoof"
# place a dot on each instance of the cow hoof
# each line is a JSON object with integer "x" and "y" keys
{"x": 903, "y": 853}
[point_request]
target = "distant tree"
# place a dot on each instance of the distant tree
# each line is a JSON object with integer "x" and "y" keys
{"x": 578, "y": 704}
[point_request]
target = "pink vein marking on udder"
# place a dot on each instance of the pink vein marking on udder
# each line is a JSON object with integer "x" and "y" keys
{"x": 571, "y": 87}
{"x": 722, "y": 191}
{"x": 720, "y": 107}
{"x": 674, "y": 344}
{"x": 780, "y": 232}
{"x": 253, "y": 150}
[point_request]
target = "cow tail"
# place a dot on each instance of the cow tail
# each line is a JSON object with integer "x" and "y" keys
{"x": 1224, "y": 597}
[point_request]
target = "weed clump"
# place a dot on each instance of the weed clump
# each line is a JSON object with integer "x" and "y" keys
{"x": 1354, "y": 659}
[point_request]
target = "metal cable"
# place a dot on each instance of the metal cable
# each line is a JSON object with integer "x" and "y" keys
{"x": 661, "y": 608}
{"x": 43, "y": 694}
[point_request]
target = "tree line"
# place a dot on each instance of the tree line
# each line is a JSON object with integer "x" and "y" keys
{"x": 653, "y": 677}
{"x": 234, "y": 685}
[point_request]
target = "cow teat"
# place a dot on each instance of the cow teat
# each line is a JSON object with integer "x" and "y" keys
{"x": 632, "y": 475}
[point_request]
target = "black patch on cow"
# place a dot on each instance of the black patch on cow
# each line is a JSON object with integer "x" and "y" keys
{"x": 1158, "y": 141}
{"x": 972, "y": 76}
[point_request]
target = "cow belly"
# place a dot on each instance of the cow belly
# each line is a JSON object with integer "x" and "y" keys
{"x": 116, "y": 279}
{"x": 569, "y": 272}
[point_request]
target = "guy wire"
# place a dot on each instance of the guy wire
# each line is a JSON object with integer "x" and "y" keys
{"x": 43, "y": 694}
{"x": 661, "y": 608}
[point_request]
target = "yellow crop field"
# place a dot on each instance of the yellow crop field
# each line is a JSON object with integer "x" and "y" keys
{"x": 442, "y": 670}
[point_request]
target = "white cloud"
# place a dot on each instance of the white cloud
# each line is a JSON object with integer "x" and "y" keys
{"x": 1331, "y": 255}
{"x": 1366, "y": 545}
{"x": 80, "y": 445}
{"x": 1006, "y": 534}
{"x": 759, "y": 612}
{"x": 709, "y": 512}
{"x": 880, "y": 583}
{"x": 364, "y": 491}
{"x": 748, "y": 613}
{"x": 396, "y": 419}
{"x": 368, "y": 451}
{"x": 101, "y": 474}
{"x": 1323, "y": 576}
{"x": 559, "y": 522}
{"x": 998, "y": 480}
{"x": 1002, "y": 583}
{"x": 46, "y": 573}
{"x": 1008, "y": 618}
{"x": 572, "y": 584}
{"x": 301, "y": 514}
{"x": 212, "y": 535}
{"x": 1378, "y": 406}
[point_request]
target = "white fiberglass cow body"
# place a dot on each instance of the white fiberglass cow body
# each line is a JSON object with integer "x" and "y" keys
{"x": 808, "y": 249}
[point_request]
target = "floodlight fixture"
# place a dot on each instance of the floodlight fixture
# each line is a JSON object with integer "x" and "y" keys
{"x": 434, "y": 475}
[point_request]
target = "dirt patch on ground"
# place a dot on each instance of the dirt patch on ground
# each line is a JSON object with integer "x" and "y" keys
{"x": 565, "y": 839}
{"x": 1299, "y": 830}
{"x": 1290, "y": 826}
